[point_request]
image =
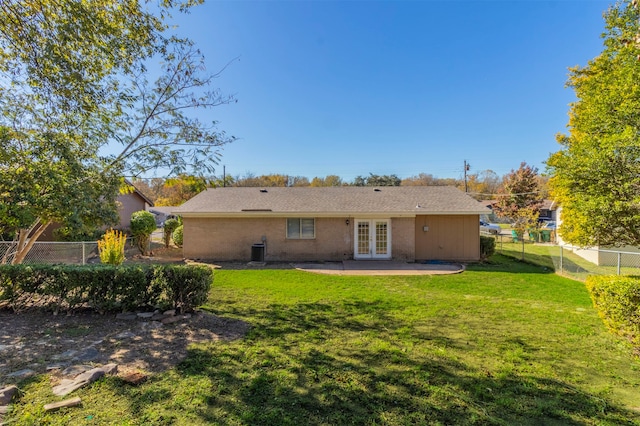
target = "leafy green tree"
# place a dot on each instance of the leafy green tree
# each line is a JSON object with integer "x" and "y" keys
{"x": 74, "y": 79}
{"x": 519, "y": 198}
{"x": 170, "y": 225}
{"x": 143, "y": 224}
{"x": 176, "y": 191}
{"x": 596, "y": 174}
{"x": 329, "y": 180}
{"x": 427, "y": 179}
{"x": 377, "y": 180}
{"x": 483, "y": 185}
{"x": 42, "y": 181}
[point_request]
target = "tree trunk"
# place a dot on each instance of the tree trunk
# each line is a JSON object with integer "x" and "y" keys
{"x": 26, "y": 239}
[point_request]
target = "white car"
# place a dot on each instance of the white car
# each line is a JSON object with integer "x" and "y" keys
{"x": 491, "y": 228}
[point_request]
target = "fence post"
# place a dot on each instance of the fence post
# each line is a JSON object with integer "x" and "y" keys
{"x": 84, "y": 255}
{"x": 619, "y": 258}
{"x": 561, "y": 260}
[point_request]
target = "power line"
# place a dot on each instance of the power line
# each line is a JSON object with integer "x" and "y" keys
{"x": 505, "y": 195}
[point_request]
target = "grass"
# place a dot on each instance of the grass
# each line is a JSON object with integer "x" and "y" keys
{"x": 502, "y": 343}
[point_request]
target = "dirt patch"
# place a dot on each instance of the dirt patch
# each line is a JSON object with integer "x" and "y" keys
{"x": 38, "y": 340}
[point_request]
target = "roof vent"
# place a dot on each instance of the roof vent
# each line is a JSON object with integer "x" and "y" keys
{"x": 263, "y": 190}
{"x": 377, "y": 190}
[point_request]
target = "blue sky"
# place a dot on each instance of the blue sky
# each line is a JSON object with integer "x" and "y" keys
{"x": 392, "y": 87}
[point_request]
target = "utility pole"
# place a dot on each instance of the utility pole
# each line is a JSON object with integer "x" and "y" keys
{"x": 224, "y": 176}
{"x": 467, "y": 166}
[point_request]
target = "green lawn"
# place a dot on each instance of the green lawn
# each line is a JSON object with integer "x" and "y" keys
{"x": 573, "y": 265}
{"x": 503, "y": 343}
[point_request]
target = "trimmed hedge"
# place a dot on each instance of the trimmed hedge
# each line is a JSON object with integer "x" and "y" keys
{"x": 487, "y": 246}
{"x": 617, "y": 299}
{"x": 104, "y": 287}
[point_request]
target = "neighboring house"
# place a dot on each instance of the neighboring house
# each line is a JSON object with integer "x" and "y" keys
{"x": 333, "y": 223}
{"x": 491, "y": 216}
{"x": 162, "y": 213}
{"x": 601, "y": 255}
{"x": 548, "y": 210}
{"x": 127, "y": 205}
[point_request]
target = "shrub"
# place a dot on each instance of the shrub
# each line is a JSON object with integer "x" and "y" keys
{"x": 143, "y": 224}
{"x": 105, "y": 287}
{"x": 487, "y": 246}
{"x": 617, "y": 300}
{"x": 111, "y": 247}
{"x": 170, "y": 225}
{"x": 178, "y": 235}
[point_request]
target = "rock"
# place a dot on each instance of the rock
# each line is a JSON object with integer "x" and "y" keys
{"x": 80, "y": 381}
{"x": 65, "y": 355}
{"x": 61, "y": 404}
{"x": 7, "y": 394}
{"x": 74, "y": 370}
{"x": 145, "y": 315}
{"x": 170, "y": 320}
{"x": 110, "y": 369}
{"x": 21, "y": 374}
{"x": 169, "y": 313}
{"x": 134, "y": 377}
{"x": 158, "y": 317}
{"x": 128, "y": 316}
{"x": 4, "y": 348}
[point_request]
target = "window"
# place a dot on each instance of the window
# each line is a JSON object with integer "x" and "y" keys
{"x": 301, "y": 228}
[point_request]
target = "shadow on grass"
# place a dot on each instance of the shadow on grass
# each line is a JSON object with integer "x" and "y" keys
{"x": 510, "y": 262}
{"x": 353, "y": 363}
{"x": 548, "y": 264}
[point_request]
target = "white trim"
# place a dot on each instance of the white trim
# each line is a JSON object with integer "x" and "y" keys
{"x": 300, "y": 237}
{"x": 372, "y": 239}
{"x": 345, "y": 214}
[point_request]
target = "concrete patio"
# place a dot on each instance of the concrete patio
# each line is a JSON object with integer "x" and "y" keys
{"x": 380, "y": 267}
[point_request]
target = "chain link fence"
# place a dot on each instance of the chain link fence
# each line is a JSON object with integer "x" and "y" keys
{"x": 71, "y": 253}
{"x": 567, "y": 260}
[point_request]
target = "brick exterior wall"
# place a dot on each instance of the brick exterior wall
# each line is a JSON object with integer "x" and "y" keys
{"x": 226, "y": 239}
{"x": 403, "y": 239}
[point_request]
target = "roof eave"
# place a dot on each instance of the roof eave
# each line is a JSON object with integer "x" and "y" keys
{"x": 364, "y": 214}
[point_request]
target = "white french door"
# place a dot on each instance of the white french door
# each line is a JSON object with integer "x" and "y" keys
{"x": 372, "y": 239}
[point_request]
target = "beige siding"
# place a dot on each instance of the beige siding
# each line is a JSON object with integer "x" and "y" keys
{"x": 127, "y": 205}
{"x": 447, "y": 238}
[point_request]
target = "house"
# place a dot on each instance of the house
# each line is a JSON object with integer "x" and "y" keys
{"x": 333, "y": 223}
{"x": 547, "y": 210}
{"x": 130, "y": 203}
{"x": 127, "y": 204}
{"x": 162, "y": 213}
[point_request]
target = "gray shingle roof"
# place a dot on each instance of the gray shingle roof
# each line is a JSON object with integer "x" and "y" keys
{"x": 405, "y": 200}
